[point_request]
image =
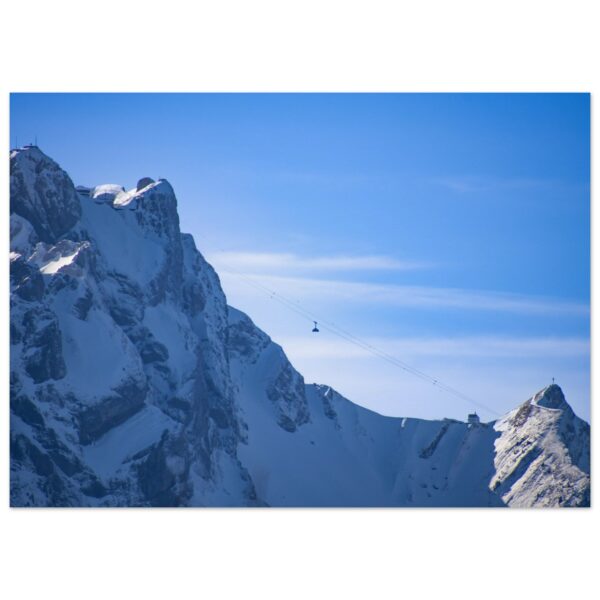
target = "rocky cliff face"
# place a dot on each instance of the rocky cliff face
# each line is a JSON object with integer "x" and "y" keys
{"x": 133, "y": 383}
{"x": 119, "y": 365}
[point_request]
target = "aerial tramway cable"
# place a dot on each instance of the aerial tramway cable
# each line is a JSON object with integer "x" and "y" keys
{"x": 296, "y": 307}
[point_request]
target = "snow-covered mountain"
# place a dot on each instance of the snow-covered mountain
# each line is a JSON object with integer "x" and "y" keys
{"x": 133, "y": 383}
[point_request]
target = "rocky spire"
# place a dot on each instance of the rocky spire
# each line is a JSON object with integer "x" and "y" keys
{"x": 42, "y": 193}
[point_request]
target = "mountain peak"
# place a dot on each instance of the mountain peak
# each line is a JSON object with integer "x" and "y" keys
{"x": 29, "y": 150}
{"x": 551, "y": 397}
{"x": 42, "y": 193}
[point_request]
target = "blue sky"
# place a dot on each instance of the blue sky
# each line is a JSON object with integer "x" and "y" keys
{"x": 451, "y": 230}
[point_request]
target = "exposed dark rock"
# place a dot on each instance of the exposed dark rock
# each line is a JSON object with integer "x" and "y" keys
{"x": 157, "y": 482}
{"x": 83, "y": 305}
{"x": 96, "y": 420}
{"x": 144, "y": 182}
{"x": 288, "y": 394}
{"x": 286, "y": 423}
{"x": 193, "y": 298}
{"x": 522, "y": 414}
{"x": 122, "y": 315}
{"x": 61, "y": 456}
{"x": 328, "y": 409}
{"x": 244, "y": 339}
{"x": 15, "y": 334}
{"x": 179, "y": 409}
{"x": 153, "y": 351}
{"x": 43, "y": 356}
{"x": 551, "y": 397}
{"x": 26, "y": 280}
{"x": 432, "y": 446}
{"x": 23, "y": 449}
{"x": 26, "y": 410}
{"x": 158, "y": 216}
{"x": 94, "y": 488}
{"x": 219, "y": 417}
{"x": 42, "y": 193}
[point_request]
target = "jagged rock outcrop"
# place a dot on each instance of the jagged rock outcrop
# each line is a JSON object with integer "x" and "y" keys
{"x": 543, "y": 454}
{"x": 133, "y": 383}
{"x": 43, "y": 194}
{"x": 117, "y": 325}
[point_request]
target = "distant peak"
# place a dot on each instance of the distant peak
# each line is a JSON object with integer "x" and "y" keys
{"x": 550, "y": 397}
{"x": 30, "y": 151}
{"x": 31, "y": 159}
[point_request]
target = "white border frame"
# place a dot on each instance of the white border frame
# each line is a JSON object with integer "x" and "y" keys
{"x": 294, "y": 46}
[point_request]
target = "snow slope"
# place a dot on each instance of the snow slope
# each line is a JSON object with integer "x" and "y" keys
{"x": 133, "y": 383}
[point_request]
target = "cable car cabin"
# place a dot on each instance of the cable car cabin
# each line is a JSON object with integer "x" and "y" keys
{"x": 315, "y": 328}
{"x": 473, "y": 419}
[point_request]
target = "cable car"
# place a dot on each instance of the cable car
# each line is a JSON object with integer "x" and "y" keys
{"x": 315, "y": 328}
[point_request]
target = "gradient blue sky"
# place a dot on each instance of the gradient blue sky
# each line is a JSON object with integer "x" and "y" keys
{"x": 452, "y": 230}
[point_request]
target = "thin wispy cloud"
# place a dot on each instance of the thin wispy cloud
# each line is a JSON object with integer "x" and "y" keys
{"x": 479, "y": 184}
{"x": 285, "y": 262}
{"x": 499, "y": 370}
{"x": 319, "y": 291}
{"x": 531, "y": 348}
